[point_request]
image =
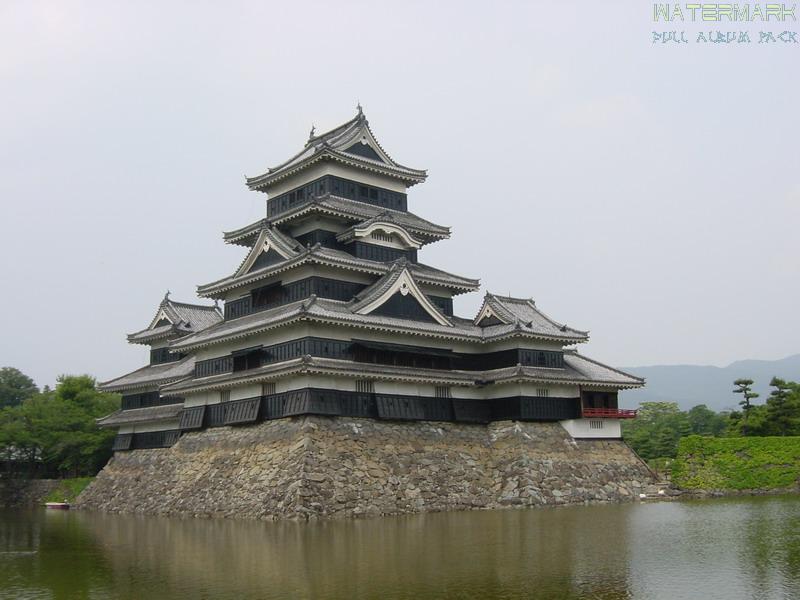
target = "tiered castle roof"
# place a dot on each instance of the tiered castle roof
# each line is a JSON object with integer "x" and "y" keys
{"x": 351, "y": 211}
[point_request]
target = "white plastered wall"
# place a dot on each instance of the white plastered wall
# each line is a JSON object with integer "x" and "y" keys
{"x": 593, "y": 428}
{"x": 149, "y": 426}
{"x": 316, "y": 222}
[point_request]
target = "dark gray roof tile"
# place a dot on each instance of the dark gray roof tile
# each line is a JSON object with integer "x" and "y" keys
{"x": 141, "y": 415}
{"x": 184, "y": 318}
{"x": 334, "y": 145}
{"x": 151, "y": 376}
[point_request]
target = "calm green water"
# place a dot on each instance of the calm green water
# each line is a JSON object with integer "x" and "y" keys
{"x": 728, "y": 549}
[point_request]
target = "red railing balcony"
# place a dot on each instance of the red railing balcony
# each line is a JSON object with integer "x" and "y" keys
{"x": 609, "y": 413}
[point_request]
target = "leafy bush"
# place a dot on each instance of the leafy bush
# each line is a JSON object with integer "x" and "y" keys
{"x": 68, "y": 489}
{"x": 54, "y": 432}
{"x": 746, "y": 463}
{"x": 654, "y": 434}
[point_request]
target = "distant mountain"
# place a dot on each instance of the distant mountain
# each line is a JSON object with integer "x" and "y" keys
{"x": 689, "y": 385}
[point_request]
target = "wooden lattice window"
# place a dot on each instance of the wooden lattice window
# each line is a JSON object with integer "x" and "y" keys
{"x": 365, "y": 386}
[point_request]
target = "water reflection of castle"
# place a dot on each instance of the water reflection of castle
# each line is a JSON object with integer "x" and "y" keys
{"x": 523, "y": 554}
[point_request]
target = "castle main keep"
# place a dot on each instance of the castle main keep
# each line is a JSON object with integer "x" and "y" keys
{"x": 337, "y": 380}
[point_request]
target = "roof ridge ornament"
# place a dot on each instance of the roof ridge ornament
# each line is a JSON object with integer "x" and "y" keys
{"x": 311, "y": 133}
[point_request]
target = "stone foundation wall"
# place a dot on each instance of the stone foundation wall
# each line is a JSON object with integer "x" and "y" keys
{"x": 25, "y": 493}
{"x": 306, "y": 467}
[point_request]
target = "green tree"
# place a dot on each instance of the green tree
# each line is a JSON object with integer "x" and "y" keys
{"x": 783, "y": 407}
{"x": 58, "y": 430}
{"x": 656, "y": 430}
{"x": 704, "y": 421}
{"x": 744, "y": 387}
{"x": 15, "y": 387}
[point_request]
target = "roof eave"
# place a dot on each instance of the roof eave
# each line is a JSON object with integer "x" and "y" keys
{"x": 261, "y": 183}
{"x": 298, "y": 316}
{"x": 146, "y": 339}
{"x": 217, "y": 289}
{"x": 429, "y": 236}
{"x": 154, "y": 384}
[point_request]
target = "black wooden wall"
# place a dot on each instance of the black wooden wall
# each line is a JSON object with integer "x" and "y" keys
{"x": 344, "y": 188}
{"x": 382, "y": 354}
{"x": 393, "y": 407}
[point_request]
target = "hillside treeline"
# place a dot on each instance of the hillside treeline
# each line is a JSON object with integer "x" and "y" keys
{"x": 659, "y": 426}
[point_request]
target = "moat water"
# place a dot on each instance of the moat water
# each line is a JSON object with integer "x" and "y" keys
{"x": 746, "y": 548}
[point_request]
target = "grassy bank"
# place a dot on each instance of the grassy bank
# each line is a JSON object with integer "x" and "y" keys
{"x": 68, "y": 489}
{"x": 751, "y": 463}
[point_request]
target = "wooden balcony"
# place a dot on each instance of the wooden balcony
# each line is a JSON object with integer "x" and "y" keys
{"x": 609, "y": 413}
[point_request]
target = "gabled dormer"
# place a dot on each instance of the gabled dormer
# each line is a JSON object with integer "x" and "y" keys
{"x": 271, "y": 247}
{"x": 398, "y": 295}
{"x": 380, "y": 238}
{"x": 383, "y": 230}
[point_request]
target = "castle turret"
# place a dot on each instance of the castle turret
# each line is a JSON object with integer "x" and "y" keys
{"x": 146, "y": 416}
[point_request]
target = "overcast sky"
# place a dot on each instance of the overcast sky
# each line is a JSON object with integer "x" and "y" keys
{"x": 648, "y": 193}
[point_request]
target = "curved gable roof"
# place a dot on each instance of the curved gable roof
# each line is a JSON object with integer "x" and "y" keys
{"x": 182, "y": 319}
{"x": 523, "y": 311}
{"x": 351, "y": 142}
{"x": 397, "y": 281}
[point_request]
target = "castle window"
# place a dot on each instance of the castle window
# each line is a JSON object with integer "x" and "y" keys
{"x": 377, "y": 235}
{"x": 596, "y": 424}
{"x": 365, "y": 386}
{"x": 443, "y": 391}
{"x": 542, "y": 392}
{"x": 267, "y": 388}
{"x": 249, "y": 358}
{"x": 267, "y": 296}
{"x": 225, "y": 396}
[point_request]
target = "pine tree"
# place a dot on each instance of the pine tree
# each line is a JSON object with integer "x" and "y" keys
{"x": 744, "y": 387}
{"x": 782, "y": 411}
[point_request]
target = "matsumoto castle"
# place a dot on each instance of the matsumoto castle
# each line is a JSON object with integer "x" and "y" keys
{"x": 332, "y": 312}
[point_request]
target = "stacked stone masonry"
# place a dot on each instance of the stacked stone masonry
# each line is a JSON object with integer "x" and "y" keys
{"x": 25, "y": 493}
{"x": 313, "y": 466}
